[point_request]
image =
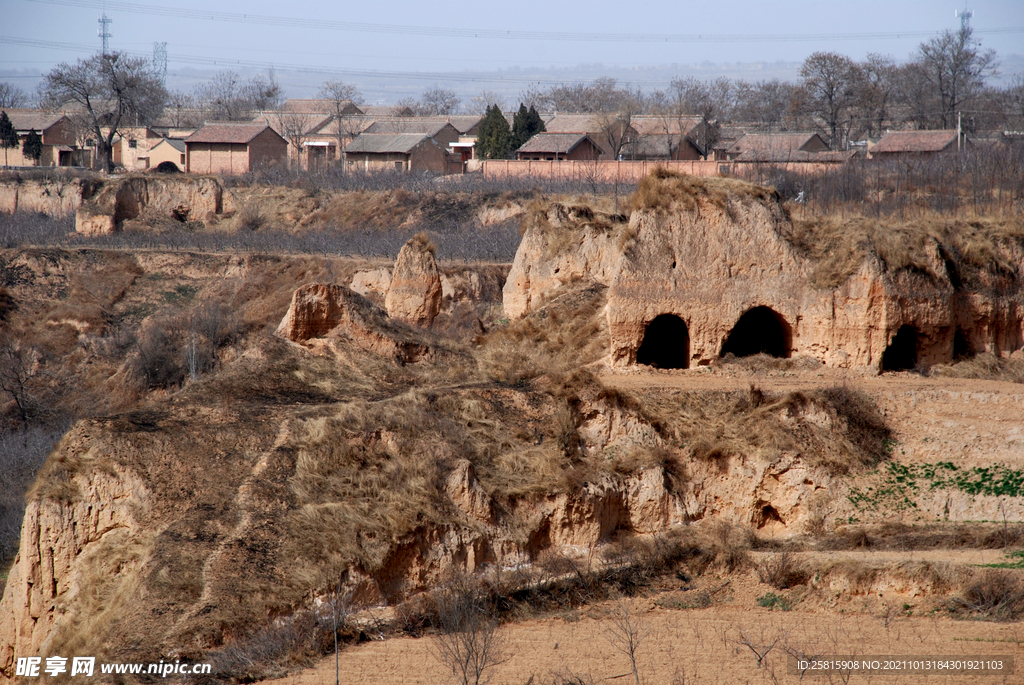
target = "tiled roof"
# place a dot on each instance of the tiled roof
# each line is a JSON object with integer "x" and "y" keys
{"x": 915, "y": 141}
{"x": 558, "y": 143}
{"x": 572, "y": 123}
{"x": 421, "y": 125}
{"x": 227, "y": 133}
{"x": 654, "y": 125}
{"x": 25, "y": 119}
{"x": 386, "y": 142}
{"x": 773, "y": 143}
{"x": 176, "y": 143}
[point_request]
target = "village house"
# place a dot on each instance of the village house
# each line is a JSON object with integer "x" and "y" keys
{"x": 668, "y": 137}
{"x": 916, "y": 144}
{"x": 606, "y": 131}
{"x": 395, "y": 152}
{"x": 560, "y": 146}
{"x": 57, "y": 132}
{"x": 234, "y": 149}
{"x": 168, "y": 150}
{"x": 131, "y": 146}
{"x": 777, "y": 148}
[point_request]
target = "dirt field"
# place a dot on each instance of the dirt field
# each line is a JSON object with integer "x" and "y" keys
{"x": 967, "y": 421}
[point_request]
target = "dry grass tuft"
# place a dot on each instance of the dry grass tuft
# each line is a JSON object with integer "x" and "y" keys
{"x": 983, "y": 366}
{"x": 996, "y": 595}
{"x": 838, "y": 428}
{"x": 664, "y": 189}
{"x": 781, "y": 571}
{"x": 975, "y": 253}
{"x": 563, "y": 335}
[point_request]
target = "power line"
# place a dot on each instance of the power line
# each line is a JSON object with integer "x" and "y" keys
{"x": 491, "y": 34}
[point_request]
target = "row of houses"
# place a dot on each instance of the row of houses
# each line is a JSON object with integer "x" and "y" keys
{"x": 306, "y": 135}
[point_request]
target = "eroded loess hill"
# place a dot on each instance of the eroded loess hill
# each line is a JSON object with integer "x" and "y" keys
{"x": 187, "y": 522}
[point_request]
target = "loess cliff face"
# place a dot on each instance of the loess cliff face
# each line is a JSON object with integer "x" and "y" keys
{"x": 321, "y": 453}
{"x": 713, "y": 253}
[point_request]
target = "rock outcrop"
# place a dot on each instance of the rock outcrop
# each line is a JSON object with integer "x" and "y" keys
{"x": 707, "y": 268}
{"x": 57, "y": 196}
{"x": 414, "y": 295}
{"x": 321, "y": 310}
{"x": 180, "y": 198}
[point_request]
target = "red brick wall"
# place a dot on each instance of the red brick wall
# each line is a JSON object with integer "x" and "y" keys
{"x": 266, "y": 149}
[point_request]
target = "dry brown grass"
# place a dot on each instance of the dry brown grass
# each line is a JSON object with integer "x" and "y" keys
{"x": 847, "y": 432}
{"x": 983, "y": 366}
{"x": 973, "y": 252}
{"x": 663, "y": 189}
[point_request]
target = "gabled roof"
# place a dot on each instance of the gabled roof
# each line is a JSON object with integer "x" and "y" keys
{"x": 386, "y": 111}
{"x": 26, "y": 119}
{"x": 228, "y": 133}
{"x": 915, "y": 141}
{"x": 648, "y": 125}
{"x": 318, "y": 106}
{"x": 556, "y": 143}
{"x": 176, "y": 143}
{"x": 572, "y": 123}
{"x": 423, "y": 125}
{"x": 387, "y": 142}
{"x": 776, "y": 144}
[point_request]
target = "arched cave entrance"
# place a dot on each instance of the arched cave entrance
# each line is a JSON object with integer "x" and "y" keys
{"x": 760, "y": 329}
{"x": 962, "y": 348}
{"x": 901, "y": 354}
{"x": 666, "y": 343}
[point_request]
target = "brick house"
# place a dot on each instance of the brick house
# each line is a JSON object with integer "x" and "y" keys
{"x": 167, "y": 150}
{"x": 777, "y": 147}
{"x": 606, "y": 131}
{"x": 56, "y": 130}
{"x": 916, "y": 144}
{"x": 560, "y": 146}
{"x": 234, "y": 149}
{"x": 395, "y": 151}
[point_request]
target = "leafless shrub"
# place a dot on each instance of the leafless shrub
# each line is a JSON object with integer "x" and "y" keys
{"x": 627, "y": 633}
{"x": 467, "y": 640}
{"x": 760, "y": 643}
{"x": 781, "y": 571}
{"x": 252, "y": 216}
{"x": 984, "y": 366}
{"x": 993, "y": 594}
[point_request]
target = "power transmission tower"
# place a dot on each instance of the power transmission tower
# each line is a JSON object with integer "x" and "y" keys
{"x": 160, "y": 60}
{"x": 965, "y": 17}
{"x": 104, "y": 21}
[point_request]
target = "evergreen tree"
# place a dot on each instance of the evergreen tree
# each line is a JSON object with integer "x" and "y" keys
{"x": 8, "y": 136}
{"x": 525, "y": 124}
{"x": 33, "y": 147}
{"x": 494, "y": 141}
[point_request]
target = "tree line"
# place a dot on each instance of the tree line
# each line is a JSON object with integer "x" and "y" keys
{"x": 943, "y": 85}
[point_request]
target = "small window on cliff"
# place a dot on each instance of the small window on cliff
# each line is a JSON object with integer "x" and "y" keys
{"x": 901, "y": 354}
{"x": 666, "y": 343}
{"x": 759, "y": 330}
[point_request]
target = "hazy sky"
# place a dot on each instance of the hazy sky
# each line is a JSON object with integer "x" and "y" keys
{"x": 347, "y": 39}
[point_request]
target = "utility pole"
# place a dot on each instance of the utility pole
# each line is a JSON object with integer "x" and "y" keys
{"x": 958, "y": 130}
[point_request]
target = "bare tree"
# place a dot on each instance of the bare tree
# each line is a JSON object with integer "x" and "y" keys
{"x": 828, "y": 93}
{"x": 761, "y": 644}
{"x": 180, "y": 110}
{"x": 228, "y": 96}
{"x": 12, "y": 96}
{"x": 295, "y": 127}
{"x": 955, "y": 68}
{"x": 478, "y": 104}
{"x": 467, "y": 639}
{"x": 438, "y": 101}
{"x": 627, "y": 633}
{"x": 876, "y": 93}
{"x": 340, "y": 96}
{"x": 109, "y": 89}
{"x": 765, "y": 103}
